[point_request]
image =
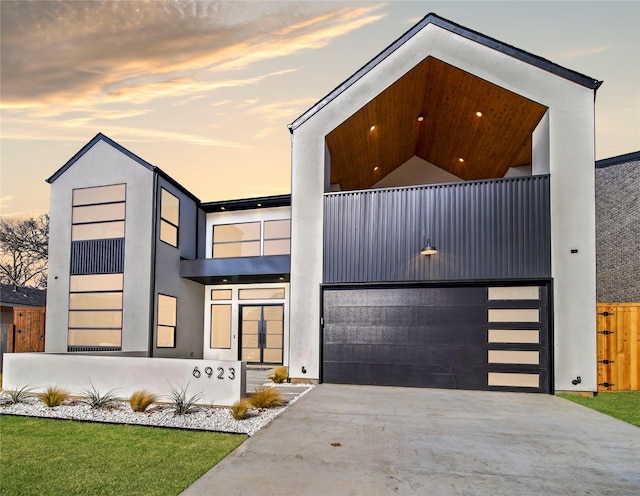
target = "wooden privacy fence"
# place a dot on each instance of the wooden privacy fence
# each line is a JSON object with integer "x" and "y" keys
{"x": 618, "y": 342}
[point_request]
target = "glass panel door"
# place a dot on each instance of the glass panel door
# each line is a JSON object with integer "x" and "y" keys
{"x": 261, "y": 333}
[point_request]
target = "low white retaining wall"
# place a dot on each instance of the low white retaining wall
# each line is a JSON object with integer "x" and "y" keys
{"x": 219, "y": 382}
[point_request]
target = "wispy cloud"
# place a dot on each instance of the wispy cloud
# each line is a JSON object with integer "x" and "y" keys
{"x": 275, "y": 114}
{"x": 141, "y": 51}
{"x": 584, "y": 52}
{"x": 60, "y": 132}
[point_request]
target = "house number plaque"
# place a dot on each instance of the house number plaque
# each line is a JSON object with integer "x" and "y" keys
{"x": 209, "y": 373}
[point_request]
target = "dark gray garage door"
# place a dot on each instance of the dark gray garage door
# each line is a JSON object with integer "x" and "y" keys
{"x": 473, "y": 337}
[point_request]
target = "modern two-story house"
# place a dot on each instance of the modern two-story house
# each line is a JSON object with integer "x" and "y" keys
{"x": 135, "y": 258}
{"x": 440, "y": 232}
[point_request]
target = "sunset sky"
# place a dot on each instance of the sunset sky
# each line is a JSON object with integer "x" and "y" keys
{"x": 205, "y": 89}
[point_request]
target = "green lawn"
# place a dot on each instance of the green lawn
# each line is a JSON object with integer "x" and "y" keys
{"x": 623, "y": 405}
{"x": 61, "y": 457}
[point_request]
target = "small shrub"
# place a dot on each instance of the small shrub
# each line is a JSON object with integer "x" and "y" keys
{"x": 96, "y": 400}
{"x": 280, "y": 374}
{"x": 53, "y": 396}
{"x": 140, "y": 400}
{"x": 18, "y": 395}
{"x": 240, "y": 409}
{"x": 266, "y": 397}
{"x": 180, "y": 403}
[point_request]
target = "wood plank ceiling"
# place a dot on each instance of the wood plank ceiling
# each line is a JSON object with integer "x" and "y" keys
{"x": 448, "y": 98}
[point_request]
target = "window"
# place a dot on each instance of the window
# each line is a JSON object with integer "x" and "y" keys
{"x": 167, "y": 310}
{"x": 277, "y": 237}
{"x": 95, "y": 312}
{"x": 252, "y": 239}
{"x": 221, "y": 326}
{"x": 220, "y": 294}
{"x": 236, "y": 240}
{"x": 98, "y": 213}
{"x": 261, "y": 294}
{"x": 169, "y": 218}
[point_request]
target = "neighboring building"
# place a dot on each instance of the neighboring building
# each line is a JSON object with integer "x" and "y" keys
{"x": 618, "y": 229}
{"x": 447, "y": 137}
{"x": 22, "y": 328}
{"x": 16, "y": 296}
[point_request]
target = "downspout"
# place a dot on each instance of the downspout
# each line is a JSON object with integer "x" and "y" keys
{"x": 152, "y": 291}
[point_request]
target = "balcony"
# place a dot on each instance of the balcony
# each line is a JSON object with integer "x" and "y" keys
{"x": 273, "y": 268}
{"x": 491, "y": 229}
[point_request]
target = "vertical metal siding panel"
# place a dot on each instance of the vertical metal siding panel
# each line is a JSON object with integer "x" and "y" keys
{"x": 101, "y": 256}
{"x": 483, "y": 230}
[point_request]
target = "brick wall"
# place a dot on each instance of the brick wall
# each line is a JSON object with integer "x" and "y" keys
{"x": 618, "y": 231}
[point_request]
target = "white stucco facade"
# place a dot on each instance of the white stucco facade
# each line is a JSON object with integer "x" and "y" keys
{"x": 103, "y": 165}
{"x": 563, "y": 147}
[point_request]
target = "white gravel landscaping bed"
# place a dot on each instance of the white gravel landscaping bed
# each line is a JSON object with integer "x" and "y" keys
{"x": 159, "y": 415}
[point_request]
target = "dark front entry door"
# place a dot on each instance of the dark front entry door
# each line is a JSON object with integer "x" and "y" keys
{"x": 261, "y": 333}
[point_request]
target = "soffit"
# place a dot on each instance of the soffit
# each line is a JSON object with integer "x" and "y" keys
{"x": 448, "y": 98}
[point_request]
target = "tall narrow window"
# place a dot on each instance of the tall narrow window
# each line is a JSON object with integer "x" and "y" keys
{"x": 167, "y": 309}
{"x": 220, "y": 326}
{"x": 169, "y": 218}
{"x": 97, "y": 258}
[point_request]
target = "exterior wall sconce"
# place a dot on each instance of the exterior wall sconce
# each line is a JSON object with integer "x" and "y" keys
{"x": 429, "y": 250}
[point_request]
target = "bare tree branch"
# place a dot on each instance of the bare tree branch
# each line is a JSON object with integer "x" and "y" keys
{"x": 24, "y": 249}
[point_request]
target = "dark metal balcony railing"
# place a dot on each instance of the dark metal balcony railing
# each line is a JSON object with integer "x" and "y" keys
{"x": 493, "y": 229}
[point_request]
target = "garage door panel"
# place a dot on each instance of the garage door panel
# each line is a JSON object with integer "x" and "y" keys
{"x": 400, "y": 297}
{"x": 405, "y": 315}
{"x": 434, "y": 337}
{"x": 414, "y": 334}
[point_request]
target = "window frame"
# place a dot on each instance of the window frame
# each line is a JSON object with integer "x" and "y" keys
{"x": 166, "y": 221}
{"x": 161, "y": 324}
{"x": 262, "y": 240}
{"x": 229, "y": 305}
{"x": 77, "y": 311}
{"x": 79, "y": 204}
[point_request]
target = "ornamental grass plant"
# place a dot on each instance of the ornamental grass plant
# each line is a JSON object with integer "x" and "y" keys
{"x": 18, "y": 395}
{"x": 141, "y": 400}
{"x": 181, "y": 404}
{"x": 97, "y": 400}
{"x": 280, "y": 375}
{"x": 53, "y": 396}
{"x": 266, "y": 397}
{"x": 240, "y": 409}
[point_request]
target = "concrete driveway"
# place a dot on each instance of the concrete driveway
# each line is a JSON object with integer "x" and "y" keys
{"x": 367, "y": 440}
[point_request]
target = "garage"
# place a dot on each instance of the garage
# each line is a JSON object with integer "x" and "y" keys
{"x": 479, "y": 337}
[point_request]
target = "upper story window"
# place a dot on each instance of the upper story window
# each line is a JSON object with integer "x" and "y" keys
{"x": 236, "y": 240}
{"x": 169, "y": 218}
{"x": 98, "y": 213}
{"x": 277, "y": 237}
{"x": 252, "y": 239}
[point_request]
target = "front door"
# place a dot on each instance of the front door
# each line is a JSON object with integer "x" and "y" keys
{"x": 261, "y": 333}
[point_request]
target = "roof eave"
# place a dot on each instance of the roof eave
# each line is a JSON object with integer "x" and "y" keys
{"x": 441, "y": 22}
{"x": 123, "y": 150}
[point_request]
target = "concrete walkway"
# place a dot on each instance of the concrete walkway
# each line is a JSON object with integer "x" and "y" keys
{"x": 365, "y": 440}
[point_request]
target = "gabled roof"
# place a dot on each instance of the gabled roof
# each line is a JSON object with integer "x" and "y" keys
{"x": 247, "y": 203}
{"x": 487, "y": 41}
{"x": 131, "y": 155}
{"x": 619, "y": 159}
{"x": 16, "y": 296}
